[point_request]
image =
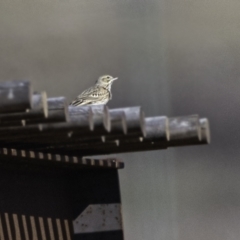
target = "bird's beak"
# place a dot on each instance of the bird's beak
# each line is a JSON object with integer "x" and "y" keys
{"x": 113, "y": 79}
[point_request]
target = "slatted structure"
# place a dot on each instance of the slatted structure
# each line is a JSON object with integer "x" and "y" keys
{"x": 49, "y": 187}
{"x": 14, "y": 226}
{"x": 79, "y": 162}
{"x": 58, "y": 202}
{"x": 35, "y": 122}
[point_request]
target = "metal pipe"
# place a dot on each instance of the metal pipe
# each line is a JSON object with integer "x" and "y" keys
{"x": 118, "y": 126}
{"x": 57, "y": 111}
{"x": 39, "y": 111}
{"x": 134, "y": 119}
{"x": 39, "y": 103}
{"x": 184, "y": 131}
{"x": 101, "y": 118}
{"x": 16, "y": 96}
{"x": 81, "y": 114}
{"x": 205, "y": 131}
{"x": 118, "y": 122}
{"x": 157, "y": 129}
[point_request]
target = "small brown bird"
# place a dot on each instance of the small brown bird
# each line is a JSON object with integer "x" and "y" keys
{"x": 100, "y": 93}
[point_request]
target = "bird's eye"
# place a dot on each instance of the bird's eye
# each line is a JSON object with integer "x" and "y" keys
{"x": 108, "y": 77}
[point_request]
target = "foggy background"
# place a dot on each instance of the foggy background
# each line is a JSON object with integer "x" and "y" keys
{"x": 172, "y": 58}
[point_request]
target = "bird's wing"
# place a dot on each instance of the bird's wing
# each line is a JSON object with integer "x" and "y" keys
{"x": 90, "y": 96}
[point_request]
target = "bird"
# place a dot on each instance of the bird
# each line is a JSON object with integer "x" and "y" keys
{"x": 98, "y": 94}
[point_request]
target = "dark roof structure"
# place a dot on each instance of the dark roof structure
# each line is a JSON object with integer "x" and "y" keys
{"x": 50, "y": 187}
{"x": 39, "y": 127}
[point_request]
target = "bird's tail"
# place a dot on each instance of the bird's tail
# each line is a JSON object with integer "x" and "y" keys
{"x": 76, "y": 102}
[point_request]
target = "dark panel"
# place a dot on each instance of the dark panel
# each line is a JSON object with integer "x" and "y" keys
{"x": 59, "y": 194}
